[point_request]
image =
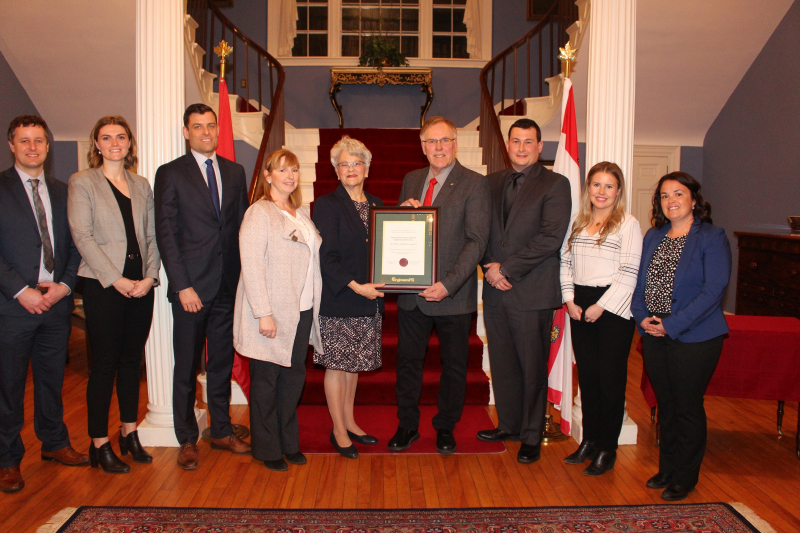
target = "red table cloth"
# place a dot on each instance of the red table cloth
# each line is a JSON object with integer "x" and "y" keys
{"x": 760, "y": 360}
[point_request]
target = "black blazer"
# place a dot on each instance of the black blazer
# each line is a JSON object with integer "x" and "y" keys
{"x": 21, "y": 244}
{"x": 198, "y": 250}
{"x": 528, "y": 246}
{"x": 344, "y": 255}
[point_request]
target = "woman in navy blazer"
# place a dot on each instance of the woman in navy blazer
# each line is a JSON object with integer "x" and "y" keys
{"x": 685, "y": 268}
{"x": 352, "y": 308}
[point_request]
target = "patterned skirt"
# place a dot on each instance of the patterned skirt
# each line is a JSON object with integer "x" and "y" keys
{"x": 351, "y": 344}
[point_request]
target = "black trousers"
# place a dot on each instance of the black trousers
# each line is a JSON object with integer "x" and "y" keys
{"x": 214, "y": 322}
{"x": 519, "y": 346}
{"x": 275, "y": 391}
{"x": 601, "y": 351}
{"x": 41, "y": 341}
{"x": 414, "y": 331}
{"x": 680, "y": 372}
{"x": 118, "y": 328}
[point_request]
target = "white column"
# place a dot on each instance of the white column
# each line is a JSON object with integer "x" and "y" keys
{"x": 611, "y": 91}
{"x": 159, "y": 116}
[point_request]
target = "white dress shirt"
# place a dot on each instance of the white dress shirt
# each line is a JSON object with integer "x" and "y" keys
{"x": 201, "y": 162}
{"x": 44, "y": 194}
{"x": 307, "y": 296}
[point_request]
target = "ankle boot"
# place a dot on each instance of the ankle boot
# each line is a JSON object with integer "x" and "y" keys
{"x": 130, "y": 443}
{"x": 602, "y": 463}
{"x": 585, "y": 451}
{"x": 107, "y": 459}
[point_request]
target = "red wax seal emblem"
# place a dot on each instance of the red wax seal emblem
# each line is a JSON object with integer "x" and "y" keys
{"x": 403, "y": 262}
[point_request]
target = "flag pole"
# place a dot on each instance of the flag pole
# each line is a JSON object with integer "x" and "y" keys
{"x": 552, "y": 432}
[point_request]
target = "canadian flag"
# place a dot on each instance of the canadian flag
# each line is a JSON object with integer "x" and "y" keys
{"x": 562, "y": 358}
{"x": 241, "y": 365}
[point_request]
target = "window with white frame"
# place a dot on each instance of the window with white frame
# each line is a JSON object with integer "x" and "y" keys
{"x": 428, "y": 32}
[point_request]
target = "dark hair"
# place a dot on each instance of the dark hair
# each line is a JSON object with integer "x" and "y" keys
{"x": 701, "y": 209}
{"x": 200, "y": 109}
{"x": 526, "y": 124}
{"x": 24, "y": 121}
{"x": 95, "y": 158}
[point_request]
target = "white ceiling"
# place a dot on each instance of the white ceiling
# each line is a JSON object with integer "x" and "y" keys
{"x": 76, "y": 59}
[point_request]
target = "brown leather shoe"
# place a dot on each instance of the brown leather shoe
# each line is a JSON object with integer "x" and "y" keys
{"x": 231, "y": 443}
{"x": 187, "y": 456}
{"x": 11, "y": 479}
{"x": 66, "y": 456}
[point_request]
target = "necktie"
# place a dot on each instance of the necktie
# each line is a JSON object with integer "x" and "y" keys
{"x": 429, "y": 195}
{"x": 511, "y": 194}
{"x": 44, "y": 233}
{"x": 211, "y": 176}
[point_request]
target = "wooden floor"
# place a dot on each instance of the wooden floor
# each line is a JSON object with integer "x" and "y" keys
{"x": 746, "y": 462}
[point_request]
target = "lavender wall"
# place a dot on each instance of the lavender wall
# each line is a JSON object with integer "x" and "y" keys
{"x": 14, "y": 101}
{"x": 692, "y": 161}
{"x": 750, "y": 152}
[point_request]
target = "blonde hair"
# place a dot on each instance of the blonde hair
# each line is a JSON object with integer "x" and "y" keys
{"x": 272, "y": 162}
{"x": 617, "y": 216}
{"x": 95, "y": 158}
{"x": 351, "y": 146}
{"x": 434, "y": 121}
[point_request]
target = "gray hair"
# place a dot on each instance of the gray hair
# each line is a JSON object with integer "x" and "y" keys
{"x": 353, "y": 146}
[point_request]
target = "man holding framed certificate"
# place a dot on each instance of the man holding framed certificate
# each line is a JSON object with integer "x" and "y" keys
{"x": 464, "y": 214}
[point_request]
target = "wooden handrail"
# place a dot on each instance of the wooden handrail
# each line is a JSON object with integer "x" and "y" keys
{"x": 214, "y": 26}
{"x": 555, "y": 22}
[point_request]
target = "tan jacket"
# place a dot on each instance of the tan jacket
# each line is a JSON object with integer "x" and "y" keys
{"x": 275, "y": 259}
{"x": 99, "y": 232}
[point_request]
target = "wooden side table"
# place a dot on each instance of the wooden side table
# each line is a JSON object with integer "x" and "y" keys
{"x": 374, "y": 76}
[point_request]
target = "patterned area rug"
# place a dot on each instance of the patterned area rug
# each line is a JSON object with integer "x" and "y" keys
{"x": 706, "y": 517}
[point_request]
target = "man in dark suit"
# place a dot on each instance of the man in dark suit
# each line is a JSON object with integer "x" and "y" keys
{"x": 38, "y": 270}
{"x": 530, "y": 213}
{"x": 200, "y": 200}
{"x": 462, "y": 197}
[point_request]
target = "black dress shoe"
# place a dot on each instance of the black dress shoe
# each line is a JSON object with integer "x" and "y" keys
{"x": 105, "y": 457}
{"x": 402, "y": 439}
{"x": 279, "y": 465}
{"x": 445, "y": 442}
{"x": 602, "y": 463}
{"x": 296, "y": 458}
{"x": 529, "y": 453}
{"x": 659, "y": 481}
{"x": 495, "y": 435}
{"x": 675, "y": 493}
{"x": 130, "y": 443}
{"x": 350, "y": 451}
{"x": 362, "y": 439}
{"x": 585, "y": 451}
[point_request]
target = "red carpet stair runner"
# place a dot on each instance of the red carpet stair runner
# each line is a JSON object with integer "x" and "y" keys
{"x": 395, "y": 152}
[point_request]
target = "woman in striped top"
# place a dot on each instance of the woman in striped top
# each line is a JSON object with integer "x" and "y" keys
{"x": 599, "y": 267}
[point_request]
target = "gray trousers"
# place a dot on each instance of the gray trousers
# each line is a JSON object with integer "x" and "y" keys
{"x": 274, "y": 394}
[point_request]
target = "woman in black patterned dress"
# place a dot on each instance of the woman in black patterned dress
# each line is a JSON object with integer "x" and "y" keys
{"x": 351, "y": 309}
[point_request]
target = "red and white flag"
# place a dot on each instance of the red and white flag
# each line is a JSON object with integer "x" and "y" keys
{"x": 562, "y": 358}
{"x": 241, "y": 365}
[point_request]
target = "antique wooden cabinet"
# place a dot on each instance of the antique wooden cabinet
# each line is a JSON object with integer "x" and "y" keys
{"x": 768, "y": 282}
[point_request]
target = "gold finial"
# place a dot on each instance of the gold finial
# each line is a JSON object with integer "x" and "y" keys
{"x": 223, "y": 51}
{"x": 567, "y": 55}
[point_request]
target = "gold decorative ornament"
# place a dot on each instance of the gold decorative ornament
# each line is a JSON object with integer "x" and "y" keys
{"x": 567, "y": 55}
{"x": 223, "y": 50}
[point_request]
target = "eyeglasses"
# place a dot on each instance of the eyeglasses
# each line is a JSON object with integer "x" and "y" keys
{"x": 357, "y": 164}
{"x": 446, "y": 141}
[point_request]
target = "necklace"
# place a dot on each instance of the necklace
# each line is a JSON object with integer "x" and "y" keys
{"x": 355, "y": 198}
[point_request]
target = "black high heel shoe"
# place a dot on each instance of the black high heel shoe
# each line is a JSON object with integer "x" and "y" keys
{"x": 350, "y": 452}
{"x": 130, "y": 443}
{"x": 107, "y": 459}
{"x": 362, "y": 439}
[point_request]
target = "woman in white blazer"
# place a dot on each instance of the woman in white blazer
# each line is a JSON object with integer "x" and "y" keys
{"x": 111, "y": 217}
{"x": 277, "y": 308}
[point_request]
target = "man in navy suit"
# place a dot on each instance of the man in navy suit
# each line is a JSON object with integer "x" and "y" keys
{"x": 200, "y": 200}
{"x": 38, "y": 270}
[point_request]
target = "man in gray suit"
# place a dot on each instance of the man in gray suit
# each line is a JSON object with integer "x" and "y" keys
{"x": 462, "y": 197}
{"x": 530, "y": 214}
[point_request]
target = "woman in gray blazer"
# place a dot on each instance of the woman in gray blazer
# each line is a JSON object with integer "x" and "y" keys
{"x": 111, "y": 217}
{"x": 277, "y": 308}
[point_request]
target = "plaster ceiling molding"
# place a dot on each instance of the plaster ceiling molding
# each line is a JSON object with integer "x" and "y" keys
{"x": 690, "y": 57}
{"x": 76, "y": 59}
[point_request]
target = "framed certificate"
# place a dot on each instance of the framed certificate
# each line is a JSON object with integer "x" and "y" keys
{"x": 404, "y": 247}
